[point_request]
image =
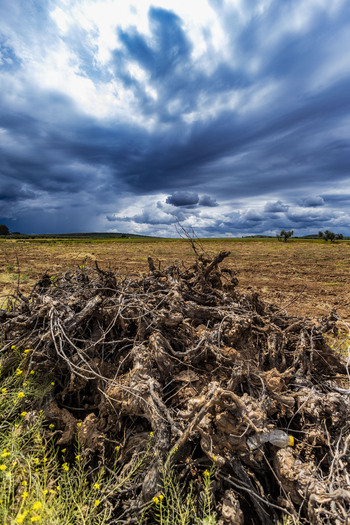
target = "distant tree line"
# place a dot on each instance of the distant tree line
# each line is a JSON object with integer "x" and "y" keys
{"x": 330, "y": 236}
{"x": 327, "y": 235}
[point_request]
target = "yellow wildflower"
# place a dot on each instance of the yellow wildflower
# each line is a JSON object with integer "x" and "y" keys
{"x": 77, "y": 457}
{"x": 53, "y": 383}
{"x": 21, "y": 517}
{"x": 52, "y": 426}
{"x": 24, "y": 384}
{"x": 155, "y": 500}
{"x": 24, "y": 483}
{"x": 151, "y": 434}
{"x": 44, "y": 460}
{"x": 65, "y": 467}
{"x": 37, "y": 505}
{"x": 45, "y": 491}
{"x": 20, "y": 395}
{"x": 63, "y": 450}
{"x": 206, "y": 473}
{"x": 32, "y": 372}
{"x": 96, "y": 486}
{"x": 13, "y": 347}
{"x": 27, "y": 350}
{"x": 5, "y": 454}
{"x": 25, "y": 494}
{"x": 161, "y": 497}
{"x": 35, "y": 518}
{"x": 78, "y": 425}
{"x": 3, "y": 467}
{"x": 19, "y": 372}
{"x": 4, "y": 390}
{"x": 97, "y": 502}
{"x": 23, "y": 414}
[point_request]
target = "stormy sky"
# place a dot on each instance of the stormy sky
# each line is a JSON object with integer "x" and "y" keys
{"x": 229, "y": 116}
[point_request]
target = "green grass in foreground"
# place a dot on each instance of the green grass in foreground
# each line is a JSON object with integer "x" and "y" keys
{"x": 41, "y": 482}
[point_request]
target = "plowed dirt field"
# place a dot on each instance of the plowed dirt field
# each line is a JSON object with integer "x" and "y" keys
{"x": 308, "y": 278}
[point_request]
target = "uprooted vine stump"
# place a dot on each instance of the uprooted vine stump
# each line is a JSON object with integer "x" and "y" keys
{"x": 182, "y": 354}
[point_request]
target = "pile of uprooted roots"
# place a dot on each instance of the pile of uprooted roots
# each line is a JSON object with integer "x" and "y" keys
{"x": 181, "y": 354}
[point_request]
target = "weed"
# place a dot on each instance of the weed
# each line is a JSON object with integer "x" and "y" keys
{"x": 38, "y": 482}
{"x": 178, "y": 505}
{"x": 339, "y": 343}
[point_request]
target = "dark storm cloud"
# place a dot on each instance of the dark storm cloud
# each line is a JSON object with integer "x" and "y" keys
{"x": 306, "y": 218}
{"x": 13, "y": 192}
{"x": 275, "y": 207}
{"x": 267, "y": 119}
{"x": 187, "y": 198}
{"x": 168, "y": 48}
{"x": 340, "y": 198}
{"x": 206, "y": 200}
{"x": 312, "y": 202}
{"x": 183, "y": 198}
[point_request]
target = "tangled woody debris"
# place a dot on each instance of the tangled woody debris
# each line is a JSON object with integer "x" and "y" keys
{"x": 215, "y": 375}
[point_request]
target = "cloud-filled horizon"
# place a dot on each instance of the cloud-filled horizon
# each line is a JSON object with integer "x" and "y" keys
{"x": 230, "y": 116}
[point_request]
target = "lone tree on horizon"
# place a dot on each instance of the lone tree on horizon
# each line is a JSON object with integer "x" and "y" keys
{"x": 4, "y": 230}
{"x": 284, "y": 235}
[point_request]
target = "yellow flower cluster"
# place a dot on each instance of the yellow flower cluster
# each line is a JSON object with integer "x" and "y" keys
{"x": 37, "y": 506}
{"x": 158, "y": 499}
{"x": 21, "y": 517}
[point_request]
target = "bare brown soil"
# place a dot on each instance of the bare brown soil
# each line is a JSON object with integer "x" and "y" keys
{"x": 278, "y": 271}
